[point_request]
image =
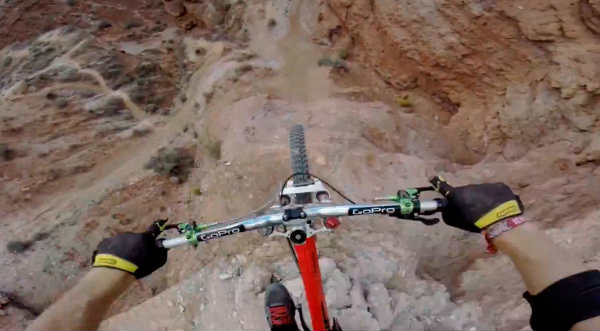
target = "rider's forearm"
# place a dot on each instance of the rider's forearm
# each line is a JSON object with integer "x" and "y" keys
{"x": 84, "y": 306}
{"x": 539, "y": 260}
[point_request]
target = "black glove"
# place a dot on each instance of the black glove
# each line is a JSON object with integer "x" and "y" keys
{"x": 136, "y": 253}
{"x": 474, "y": 207}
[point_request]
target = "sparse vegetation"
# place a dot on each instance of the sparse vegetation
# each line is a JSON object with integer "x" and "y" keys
{"x": 334, "y": 63}
{"x": 104, "y": 25}
{"x": 6, "y": 153}
{"x": 197, "y": 191}
{"x": 17, "y": 247}
{"x": 7, "y": 61}
{"x": 20, "y": 246}
{"x": 404, "y": 101}
{"x": 151, "y": 108}
{"x": 62, "y": 103}
{"x": 42, "y": 53}
{"x": 272, "y": 23}
{"x": 67, "y": 74}
{"x": 175, "y": 162}
{"x": 325, "y": 62}
{"x": 112, "y": 71}
{"x": 242, "y": 69}
{"x": 208, "y": 96}
{"x": 245, "y": 56}
{"x": 343, "y": 54}
{"x": 41, "y": 236}
{"x": 105, "y": 105}
{"x": 138, "y": 95}
{"x": 214, "y": 149}
{"x": 340, "y": 64}
{"x": 133, "y": 24}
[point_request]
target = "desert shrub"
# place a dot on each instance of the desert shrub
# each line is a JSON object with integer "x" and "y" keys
{"x": 242, "y": 69}
{"x": 176, "y": 162}
{"x": 7, "y": 61}
{"x": 404, "y": 101}
{"x": 325, "y": 62}
{"x": 62, "y": 103}
{"x": 343, "y": 54}
{"x": 133, "y": 24}
{"x": 6, "y": 153}
{"x": 214, "y": 149}
{"x": 104, "y": 25}
{"x": 17, "y": 246}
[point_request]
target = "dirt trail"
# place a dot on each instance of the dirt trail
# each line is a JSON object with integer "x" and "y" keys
{"x": 67, "y": 60}
{"x": 299, "y": 78}
{"x": 123, "y": 167}
{"x": 136, "y": 111}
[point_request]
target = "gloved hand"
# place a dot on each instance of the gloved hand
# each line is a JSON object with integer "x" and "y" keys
{"x": 474, "y": 207}
{"x": 136, "y": 253}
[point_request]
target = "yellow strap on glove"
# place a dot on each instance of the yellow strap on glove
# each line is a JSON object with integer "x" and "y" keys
{"x": 112, "y": 261}
{"x": 506, "y": 209}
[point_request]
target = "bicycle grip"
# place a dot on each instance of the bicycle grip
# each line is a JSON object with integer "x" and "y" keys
{"x": 440, "y": 185}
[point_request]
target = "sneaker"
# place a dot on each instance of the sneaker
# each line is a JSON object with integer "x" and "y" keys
{"x": 280, "y": 309}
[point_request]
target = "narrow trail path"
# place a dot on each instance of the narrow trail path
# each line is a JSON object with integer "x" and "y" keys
{"x": 102, "y": 87}
{"x": 122, "y": 165}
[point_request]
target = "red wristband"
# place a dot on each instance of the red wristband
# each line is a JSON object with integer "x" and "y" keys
{"x": 499, "y": 228}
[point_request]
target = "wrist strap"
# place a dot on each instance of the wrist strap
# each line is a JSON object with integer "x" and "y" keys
{"x": 502, "y": 226}
{"x": 499, "y": 228}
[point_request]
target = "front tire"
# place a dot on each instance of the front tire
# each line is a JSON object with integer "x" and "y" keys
{"x": 299, "y": 162}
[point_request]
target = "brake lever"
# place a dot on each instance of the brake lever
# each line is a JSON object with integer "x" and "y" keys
{"x": 426, "y": 221}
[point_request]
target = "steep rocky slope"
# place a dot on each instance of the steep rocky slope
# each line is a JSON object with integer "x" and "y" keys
{"x": 390, "y": 92}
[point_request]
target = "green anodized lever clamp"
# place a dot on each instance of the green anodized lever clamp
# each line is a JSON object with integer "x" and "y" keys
{"x": 191, "y": 231}
{"x": 406, "y": 198}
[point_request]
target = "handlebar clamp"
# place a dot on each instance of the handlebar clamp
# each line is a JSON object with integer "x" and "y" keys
{"x": 293, "y": 214}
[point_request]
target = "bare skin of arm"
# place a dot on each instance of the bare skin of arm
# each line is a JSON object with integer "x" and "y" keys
{"x": 83, "y": 307}
{"x": 541, "y": 262}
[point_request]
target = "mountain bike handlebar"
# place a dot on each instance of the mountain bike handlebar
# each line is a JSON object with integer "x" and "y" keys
{"x": 409, "y": 210}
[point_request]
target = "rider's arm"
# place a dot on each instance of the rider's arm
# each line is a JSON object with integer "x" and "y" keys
{"x": 562, "y": 293}
{"x": 540, "y": 262}
{"x": 117, "y": 262}
{"x": 84, "y": 306}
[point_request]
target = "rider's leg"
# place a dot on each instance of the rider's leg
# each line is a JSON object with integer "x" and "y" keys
{"x": 280, "y": 309}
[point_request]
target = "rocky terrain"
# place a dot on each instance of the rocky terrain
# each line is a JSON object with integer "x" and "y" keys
{"x": 116, "y": 113}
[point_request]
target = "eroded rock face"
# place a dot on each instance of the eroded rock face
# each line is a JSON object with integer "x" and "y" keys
{"x": 590, "y": 14}
{"x": 477, "y": 91}
{"x": 464, "y": 57}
